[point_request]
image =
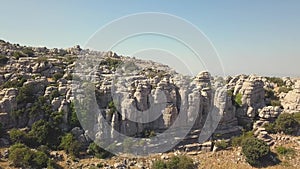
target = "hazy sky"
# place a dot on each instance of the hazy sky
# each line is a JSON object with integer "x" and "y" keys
{"x": 257, "y": 36}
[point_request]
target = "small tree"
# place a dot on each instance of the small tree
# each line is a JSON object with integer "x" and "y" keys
{"x": 70, "y": 145}
{"x": 98, "y": 152}
{"x": 286, "y": 123}
{"x": 17, "y": 136}
{"x": 255, "y": 150}
{"x": 40, "y": 159}
{"x": 20, "y": 155}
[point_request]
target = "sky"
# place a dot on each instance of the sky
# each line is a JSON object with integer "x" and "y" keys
{"x": 251, "y": 37}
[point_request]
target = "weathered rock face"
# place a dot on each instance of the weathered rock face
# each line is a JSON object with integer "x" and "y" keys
{"x": 251, "y": 91}
{"x": 266, "y": 115}
{"x": 291, "y": 101}
{"x": 151, "y": 99}
{"x": 269, "y": 113}
{"x": 133, "y": 102}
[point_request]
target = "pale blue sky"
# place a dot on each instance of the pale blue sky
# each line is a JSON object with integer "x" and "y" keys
{"x": 257, "y": 36}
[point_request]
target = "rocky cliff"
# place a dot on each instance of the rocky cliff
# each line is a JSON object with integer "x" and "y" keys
{"x": 134, "y": 97}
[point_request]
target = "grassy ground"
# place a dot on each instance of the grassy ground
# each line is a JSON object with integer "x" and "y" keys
{"x": 225, "y": 159}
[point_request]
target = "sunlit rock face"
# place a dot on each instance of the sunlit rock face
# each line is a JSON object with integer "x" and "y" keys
{"x": 291, "y": 101}
{"x": 130, "y": 95}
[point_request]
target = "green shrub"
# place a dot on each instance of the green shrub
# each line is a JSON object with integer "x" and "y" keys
{"x": 18, "y": 55}
{"x": 238, "y": 99}
{"x": 278, "y": 81}
{"x": 51, "y": 164}
{"x": 42, "y": 60}
{"x": 270, "y": 128}
{"x": 14, "y": 83}
{"x": 159, "y": 164}
{"x": 297, "y": 116}
{"x": 112, "y": 107}
{"x": 149, "y": 133}
{"x": 57, "y": 76}
{"x": 98, "y": 152}
{"x": 284, "y": 89}
{"x": 99, "y": 165}
{"x": 275, "y": 103}
{"x": 17, "y": 136}
{"x": 28, "y": 52}
{"x": 175, "y": 162}
{"x": 40, "y": 159}
{"x": 41, "y": 107}
{"x": 45, "y": 133}
{"x": 22, "y": 156}
{"x": 286, "y": 123}
{"x": 222, "y": 144}
{"x": 180, "y": 162}
{"x": 237, "y": 141}
{"x": 255, "y": 150}
{"x": 111, "y": 63}
{"x": 73, "y": 120}
{"x": 70, "y": 145}
{"x": 230, "y": 92}
{"x": 285, "y": 151}
{"x": 26, "y": 95}
{"x": 69, "y": 77}
{"x": 40, "y": 131}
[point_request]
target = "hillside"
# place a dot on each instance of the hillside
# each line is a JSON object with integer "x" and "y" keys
{"x": 55, "y": 102}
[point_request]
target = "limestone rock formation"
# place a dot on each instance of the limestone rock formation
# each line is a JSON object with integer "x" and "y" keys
{"x": 291, "y": 101}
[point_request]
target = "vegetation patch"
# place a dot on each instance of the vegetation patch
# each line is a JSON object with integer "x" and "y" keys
{"x": 286, "y": 123}
{"x": 222, "y": 144}
{"x": 175, "y": 162}
{"x": 238, "y": 99}
{"x": 237, "y": 141}
{"x": 285, "y": 151}
{"x": 22, "y": 156}
{"x": 278, "y": 81}
{"x": 255, "y": 150}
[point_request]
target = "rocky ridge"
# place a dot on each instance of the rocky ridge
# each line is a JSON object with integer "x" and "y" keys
{"x": 31, "y": 77}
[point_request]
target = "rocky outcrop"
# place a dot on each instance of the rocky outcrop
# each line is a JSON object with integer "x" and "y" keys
{"x": 291, "y": 101}
{"x": 266, "y": 115}
{"x": 132, "y": 96}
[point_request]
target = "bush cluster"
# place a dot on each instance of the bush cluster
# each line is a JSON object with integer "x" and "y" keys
{"x": 222, "y": 144}
{"x": 286, "y": 123}
{"x": 22, "y": 156}
{"x": 285, "y": 151}
{"x": 41, "y": 133}
{"x": 70, "y": 145}
{"x": 111, "y": 63}
{"x": 278, "y": 81}
{"x": 237, "y": 141}
{"x": 255, "y": 150}
{"x": 98, "y": 152}
{"x": 284, "y": 89}
{"x": 14, "y": 83}
{"x": 176, "y": 162}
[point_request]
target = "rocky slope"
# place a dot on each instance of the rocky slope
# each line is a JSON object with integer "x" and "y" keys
{"x": 35, "y": 82}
